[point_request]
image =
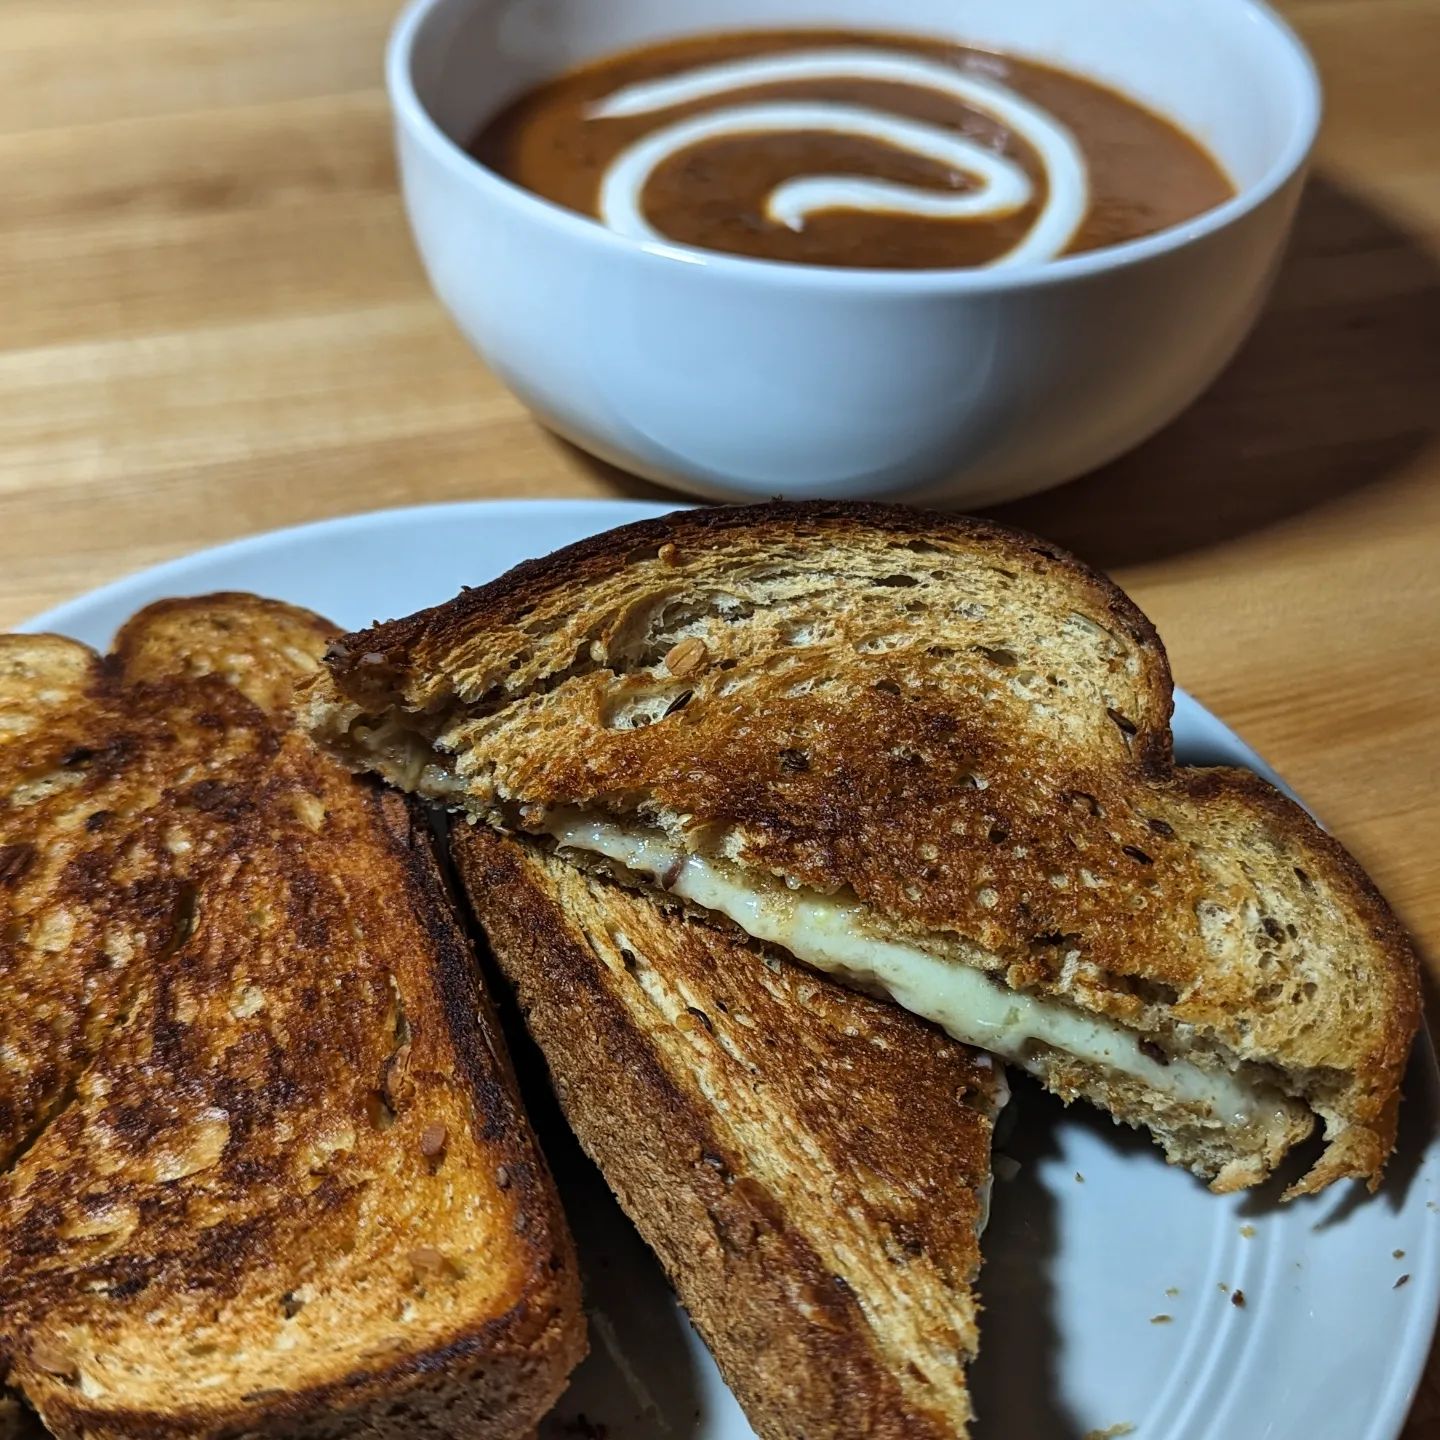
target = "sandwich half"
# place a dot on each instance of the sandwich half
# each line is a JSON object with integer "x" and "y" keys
{"x": 811, "y": 1166}
{"x": 931, "y": 757}
{"x": 263, "y": 1169}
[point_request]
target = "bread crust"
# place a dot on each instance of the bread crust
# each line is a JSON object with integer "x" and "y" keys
{"x": 422, "y": 646}
{"x": 277, "y": 1087}
{"x": 807, "y": 1163}
{"x": 978, "y": 746}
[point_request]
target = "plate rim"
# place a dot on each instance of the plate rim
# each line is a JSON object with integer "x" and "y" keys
{"x": 1394, "y": 1400}
{"x": 238, "y": 548}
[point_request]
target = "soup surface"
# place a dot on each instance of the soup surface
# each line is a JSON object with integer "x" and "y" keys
{"x": 851, "y": 148}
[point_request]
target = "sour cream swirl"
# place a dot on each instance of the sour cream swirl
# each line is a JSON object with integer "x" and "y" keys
{"x": 999, "y": 187}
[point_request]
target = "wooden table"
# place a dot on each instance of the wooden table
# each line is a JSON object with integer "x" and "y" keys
{"x": 212, "y": 323}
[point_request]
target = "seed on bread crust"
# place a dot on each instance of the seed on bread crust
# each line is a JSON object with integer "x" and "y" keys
{"x": 54, "y": 1358}
{"x": 395, "y": 1078}
{"x": 430, "y": 1264}
{"x": 687, "y": 657}
{"x": 433, "y": 1140}
{"x": 14, "y": 861}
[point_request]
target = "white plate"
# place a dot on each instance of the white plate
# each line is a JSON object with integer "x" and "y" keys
{"x": 1094, "y": 1238}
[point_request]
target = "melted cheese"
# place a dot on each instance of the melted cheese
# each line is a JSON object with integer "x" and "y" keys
{"x": 830, "y": 935}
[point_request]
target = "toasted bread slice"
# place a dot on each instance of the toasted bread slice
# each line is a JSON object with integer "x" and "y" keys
{"x": 811, "y": 1166}
{"x": 263, "y": 1169}
{"x": 933, "y": 756}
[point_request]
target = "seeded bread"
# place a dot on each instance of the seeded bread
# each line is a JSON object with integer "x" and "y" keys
{"x": 960, "y": 727}
{"x": 263, "y": 1170}
{"x": 810, "y": 1165}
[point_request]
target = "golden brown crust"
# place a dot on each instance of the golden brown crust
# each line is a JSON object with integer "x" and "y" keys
{"x": 808, "y": 1164}
{"x": 421, "y": 646}
{"x": 264, "y": 1172}
{"x": 964, "y": 726}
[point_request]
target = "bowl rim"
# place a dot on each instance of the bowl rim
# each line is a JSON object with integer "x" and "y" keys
{"x": 414, "y": 116}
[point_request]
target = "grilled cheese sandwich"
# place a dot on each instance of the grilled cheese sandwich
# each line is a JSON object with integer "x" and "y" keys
{"x": 826, "y": 1250}
{"x": 967, "y": 729}
{"x": 833, "y": 935}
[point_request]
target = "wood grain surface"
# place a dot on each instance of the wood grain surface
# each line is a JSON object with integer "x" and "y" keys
{"x": 212, "y": 323}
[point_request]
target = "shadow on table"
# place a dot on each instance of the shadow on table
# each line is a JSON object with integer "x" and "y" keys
{"x": 625, "y": 485}
{"x": 1338, "y": 389}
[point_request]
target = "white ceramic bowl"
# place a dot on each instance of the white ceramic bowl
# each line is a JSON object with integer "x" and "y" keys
{"x": 737, "y": 378}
